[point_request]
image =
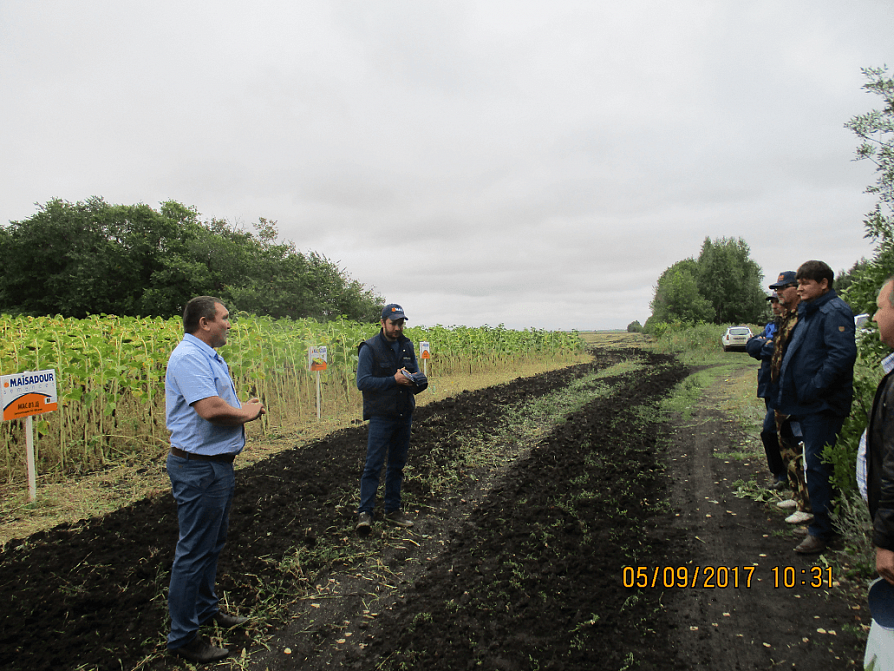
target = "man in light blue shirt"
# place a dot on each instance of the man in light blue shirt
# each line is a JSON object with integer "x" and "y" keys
{"x": 206, "y": 422}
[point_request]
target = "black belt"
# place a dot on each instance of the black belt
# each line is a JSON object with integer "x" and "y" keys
{"x": 227, "y": 457}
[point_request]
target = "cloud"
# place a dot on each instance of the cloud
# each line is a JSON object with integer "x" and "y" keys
{"x": 495, "y": 162}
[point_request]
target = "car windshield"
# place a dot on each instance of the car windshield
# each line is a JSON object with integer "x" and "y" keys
{"x": 741, "y": 331}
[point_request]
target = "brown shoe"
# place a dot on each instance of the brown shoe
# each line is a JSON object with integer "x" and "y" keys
{"x": 364, "y": 524}
{"x": 398, "y": 518}
{"x": 200, "y": 652}
{"x": 811, "y": 545}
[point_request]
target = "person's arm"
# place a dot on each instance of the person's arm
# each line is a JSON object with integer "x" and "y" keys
{"x": 841, "y": 349}
{"x": 754, "y": 346}
{"x": 366, "y": 381}
{"x": 217, "y": 411}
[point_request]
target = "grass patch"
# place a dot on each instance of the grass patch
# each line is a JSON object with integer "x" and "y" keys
{"x": 738, "y": 399}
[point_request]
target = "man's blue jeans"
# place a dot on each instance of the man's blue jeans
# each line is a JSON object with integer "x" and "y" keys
{"x": 203, "y": 491}
{"x": 388, "y": 436}
{"x": 819, "y": 429}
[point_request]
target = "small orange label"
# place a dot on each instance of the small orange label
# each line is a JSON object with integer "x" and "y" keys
{"x": 29, "y": 404}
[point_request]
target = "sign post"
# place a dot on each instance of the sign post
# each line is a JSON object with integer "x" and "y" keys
{"x": 317, "y": 361}
{"x": 25, "y": 395}
{"x": 425, "y": 355}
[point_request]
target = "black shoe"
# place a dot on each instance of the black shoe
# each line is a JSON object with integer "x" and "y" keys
{"x": 398, "y": 518}
{"x": 364, "y": 524}
{"x": 200, "y": 652}
{"x": 226, "y": 620}
{"x": 779, "y": 483}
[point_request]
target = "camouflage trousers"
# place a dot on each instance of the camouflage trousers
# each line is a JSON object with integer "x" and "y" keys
{"x": 791, "y": 449}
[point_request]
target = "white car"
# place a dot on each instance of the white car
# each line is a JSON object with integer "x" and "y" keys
{"x": 735, "y": 338}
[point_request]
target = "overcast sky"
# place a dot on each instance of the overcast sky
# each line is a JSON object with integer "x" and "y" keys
{"x": 526, "y": 163}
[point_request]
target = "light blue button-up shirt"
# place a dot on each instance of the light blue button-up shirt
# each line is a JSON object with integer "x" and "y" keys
{"x": 196, "y": 371}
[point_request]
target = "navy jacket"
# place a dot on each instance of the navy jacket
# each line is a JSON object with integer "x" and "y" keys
{"x": 760, "y": 347}
{"x": 817, "y": 373}
{"x": 378, "y": 363}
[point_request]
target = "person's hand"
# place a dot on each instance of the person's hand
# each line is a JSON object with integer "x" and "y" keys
{"x": 402, "y": 379}
{"x": 255, "y": 404}
{"x": 884, "y": 564}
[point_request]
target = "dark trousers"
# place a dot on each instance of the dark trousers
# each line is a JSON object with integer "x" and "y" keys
{"x": 819, "y": 429}
{"x": 203, "y": 491}
{"x": 388, "y": 438}
{"x": 770, "y": 439}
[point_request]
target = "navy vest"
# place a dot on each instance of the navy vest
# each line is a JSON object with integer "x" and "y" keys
{"x": 398, "y": 401}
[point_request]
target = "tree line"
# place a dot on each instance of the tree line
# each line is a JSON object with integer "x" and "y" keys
{"x": 93, "y": 257}
{"x": 875, "y": 131}
{"x": 721, "y": 286}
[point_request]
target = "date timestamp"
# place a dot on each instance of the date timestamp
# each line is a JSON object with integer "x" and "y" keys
{"x": 722, "y": 577}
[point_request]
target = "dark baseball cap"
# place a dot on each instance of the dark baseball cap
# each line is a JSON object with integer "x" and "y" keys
{"x": 393, "y": 311}
{"x": 773, "y": 297}
{"x": 785, "y": 278}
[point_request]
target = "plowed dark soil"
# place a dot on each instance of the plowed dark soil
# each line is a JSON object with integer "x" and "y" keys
{"x": 519, "y": 565}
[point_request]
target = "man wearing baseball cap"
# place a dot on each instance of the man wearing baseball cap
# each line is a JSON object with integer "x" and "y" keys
{"x": 789, "y": 436}
{"x": 761, "y": 348}
{"x": 389, "y": 378}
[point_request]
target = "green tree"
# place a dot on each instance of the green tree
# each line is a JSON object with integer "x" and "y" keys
{"x": 731, "y": 281}
{"x": 876, "y": 132}
{"x": 845, "y": 278}
{"x": 76, "y": 259}
{"x": 875, "y": 129}
{"x": 677, "y": 298}
{"x": 722, "y": 286}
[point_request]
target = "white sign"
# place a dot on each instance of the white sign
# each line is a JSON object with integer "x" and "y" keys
{"x": 317, "y": 358}
{"x": 26, "y": 394}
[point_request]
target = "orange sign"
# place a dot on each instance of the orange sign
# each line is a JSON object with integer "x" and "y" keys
{"x": 424, "y": 350}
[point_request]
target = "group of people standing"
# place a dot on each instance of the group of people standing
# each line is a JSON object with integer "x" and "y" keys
{"x": 207, "y": 422}
{"x": 807, "y": 381}
{"x": 806, "y": 378}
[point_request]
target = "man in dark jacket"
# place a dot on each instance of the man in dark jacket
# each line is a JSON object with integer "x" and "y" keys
{"x": 816, "y": 386}
{"x": 761, "y": 348}
{"x": 389, "y": 377}
{"x": 880, "y": 445}
{"x": 875, "y": 473}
